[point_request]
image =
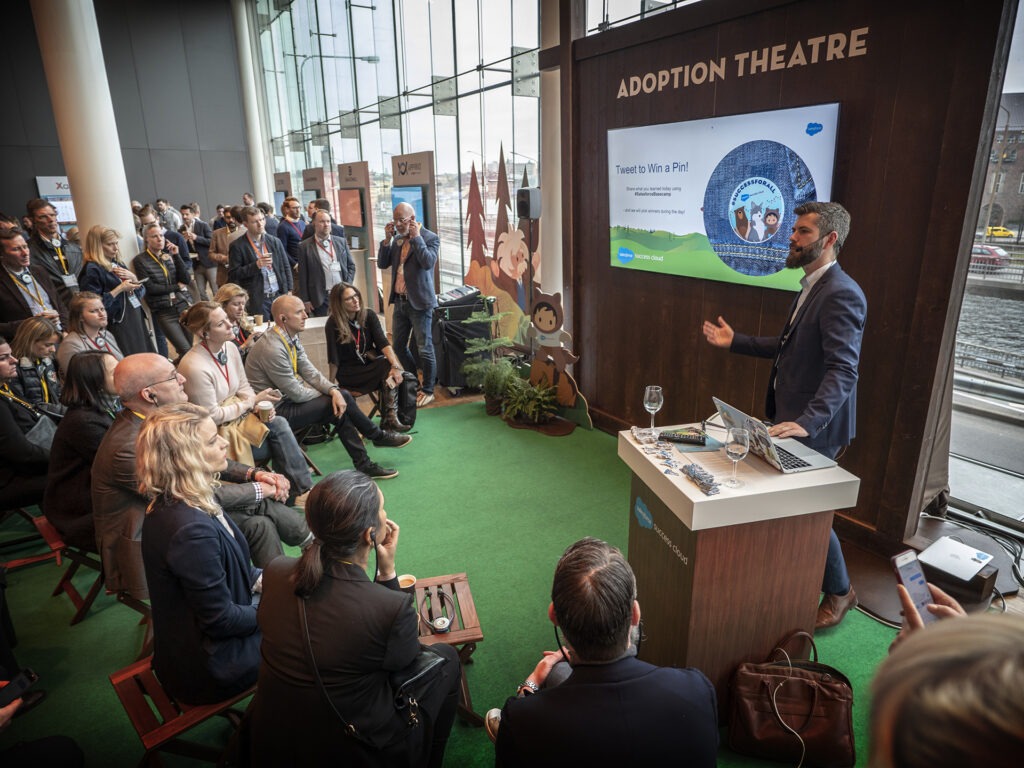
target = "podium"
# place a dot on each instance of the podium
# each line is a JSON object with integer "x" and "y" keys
{"x": 721, "y": 579}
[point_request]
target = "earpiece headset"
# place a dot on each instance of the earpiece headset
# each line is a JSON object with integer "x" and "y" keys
{"x": 441, "y": 623}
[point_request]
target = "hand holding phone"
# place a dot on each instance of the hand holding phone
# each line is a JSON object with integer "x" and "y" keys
{"x": 909, "y": 574}
{"x": 17, "y": 687}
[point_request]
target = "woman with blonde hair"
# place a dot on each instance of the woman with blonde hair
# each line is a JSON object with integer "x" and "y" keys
{"x": 105, "y": 275}
{"x": 951, "y": 696}
{"x": 34, "y": 345}
{"x": 206, "y": 640}
{"x": 233, "y": 299}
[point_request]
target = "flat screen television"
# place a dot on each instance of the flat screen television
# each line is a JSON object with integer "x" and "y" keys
{"x": 714, "y": 198}
{"x": 414, "y": 197}
{"x": 350, "y": 207}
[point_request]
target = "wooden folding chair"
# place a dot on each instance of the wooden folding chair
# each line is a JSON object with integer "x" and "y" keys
{"x": 160, "y": 721}
{"x": 55, "y": 552}
{"x": 78, "y": 558}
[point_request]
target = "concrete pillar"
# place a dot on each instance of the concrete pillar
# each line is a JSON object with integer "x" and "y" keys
{"x": 69, "y": 41}
{"x": 263, "y": 188}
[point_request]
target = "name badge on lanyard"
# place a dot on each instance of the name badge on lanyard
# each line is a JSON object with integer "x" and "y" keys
{"x": 70, "y": 281}
{"x": 134, "y": 300}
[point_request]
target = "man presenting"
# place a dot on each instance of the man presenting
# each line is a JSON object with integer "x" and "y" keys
{"x": 257, "y": 262}
{"x": 411, "y": 252}
{"x": 279, "y": 361}
{"x": 324, "y": 261}
{"x": 613, "y": 709}
{"x": 812, "y": 390}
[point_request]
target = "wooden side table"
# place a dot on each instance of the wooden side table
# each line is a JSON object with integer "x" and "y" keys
{"x": 465, "y": 630}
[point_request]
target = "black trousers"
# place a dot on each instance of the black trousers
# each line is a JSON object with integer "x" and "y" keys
{"x": 319, "y": 410}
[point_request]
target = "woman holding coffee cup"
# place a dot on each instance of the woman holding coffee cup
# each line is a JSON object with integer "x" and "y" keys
{"x": 216, "y": 380}
{"x": 305, "y": 658}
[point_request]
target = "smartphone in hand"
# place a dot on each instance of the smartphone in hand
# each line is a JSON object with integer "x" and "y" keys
{"x": 909, "y": 574}
{"x": 17, "y": 687}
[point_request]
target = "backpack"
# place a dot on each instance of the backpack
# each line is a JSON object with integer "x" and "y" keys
{"x": 407, "y": 398}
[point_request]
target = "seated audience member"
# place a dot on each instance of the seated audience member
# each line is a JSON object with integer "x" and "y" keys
{"x": 24, "y": 461}
{"x": 106, "y": 275}
{"x": 951, "y": 696}
{"x": 279, "y": 360}
{"x": 215, "y": 379}
{"x": 613, "y": 709}
{"x": 359, "y": 355}
{"x": 232, "y": 299}
{"x": 37, "y": 382}
{"x": 87, "y": 330}
{"x": 25, "y": 289}
{"x": 206, "y": 645}
{"x": 346, "y": 513}
{"x": 92, "y": 404}
{"x": 166, "y": 287}
{"x": 324, "y": 261}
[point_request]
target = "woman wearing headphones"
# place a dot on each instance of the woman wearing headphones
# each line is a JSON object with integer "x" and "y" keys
{"x": 306, "y": 660}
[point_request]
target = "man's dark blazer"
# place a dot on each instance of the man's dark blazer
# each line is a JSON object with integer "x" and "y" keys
{"x": 44, "y": 255}
{"x": 419, "y": 267}
{"x": 817, "y": 358}
{"x": 14, "y": 307}
{"x": 203, "y": 235}
{"x": 628, "y": 712}
{"x": 206, "y": 643}
{"x": 290, "y": 234}
{"x": 243, "y": 271}
{"x": 311, "y": 285}
{"x": 379, "y": 636}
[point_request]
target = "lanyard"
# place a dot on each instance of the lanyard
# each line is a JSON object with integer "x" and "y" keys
{"x": 295, "y": 226}
{"x": 63, "y": 261}
{"x": 223, "y": 369}
{"x": 42, "y": 381}
{"x": 36, "y": 293}
{"x": 159, "y": 263}
{"x": 293, "y": 352}
{"x": 258, "y": 251}
{"x": 328, "y": 251}
{"x": 100, "y": 343}
{"x": 5, "y": 390}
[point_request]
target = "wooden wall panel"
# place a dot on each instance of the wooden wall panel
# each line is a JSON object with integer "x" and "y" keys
{"x": 912, "y": 115}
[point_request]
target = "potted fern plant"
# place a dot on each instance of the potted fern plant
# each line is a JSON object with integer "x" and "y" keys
{"x": 486, "y": 366}
{"x": 529, "y": 404}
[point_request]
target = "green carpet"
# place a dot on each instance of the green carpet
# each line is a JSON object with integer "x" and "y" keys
{"x": 473, "y": 495}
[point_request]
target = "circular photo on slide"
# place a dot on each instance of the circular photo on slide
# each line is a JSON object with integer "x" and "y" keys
{"x": 749, "y": 202}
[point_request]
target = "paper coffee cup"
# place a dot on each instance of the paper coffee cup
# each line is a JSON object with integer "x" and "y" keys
{"x": 258, "y": 319}
{"x": 407, "y": 583}
{"x": 265, "y": 408}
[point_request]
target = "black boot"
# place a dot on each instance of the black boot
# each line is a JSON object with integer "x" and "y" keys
{"x": 389, "y": 410}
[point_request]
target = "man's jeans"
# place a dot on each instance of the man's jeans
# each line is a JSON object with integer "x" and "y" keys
{"x": 407, "y": 320}
{"x": 281, "y": 447}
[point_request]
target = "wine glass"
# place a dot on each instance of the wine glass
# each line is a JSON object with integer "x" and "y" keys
{"x": 737, "y": 444}
{"x": 653, "y": 400}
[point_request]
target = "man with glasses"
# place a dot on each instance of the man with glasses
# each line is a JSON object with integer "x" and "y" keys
{"x": 252, "y": 498}
{"x": 324, "y": 262}
{"x": 25, "y": 289}
{"x": 410, "y": 251}
{"x": 613, "y": 709}
{"x": 50, "y": 250}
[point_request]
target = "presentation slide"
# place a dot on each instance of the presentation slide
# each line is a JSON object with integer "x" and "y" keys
{"x": 714, "y": 198}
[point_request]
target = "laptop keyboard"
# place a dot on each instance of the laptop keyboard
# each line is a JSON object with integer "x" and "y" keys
{"x": 788, "y": 460}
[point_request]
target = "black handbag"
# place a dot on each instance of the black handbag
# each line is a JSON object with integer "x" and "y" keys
{"x": 407, "y": 399}
{"x": 408, "y": 685}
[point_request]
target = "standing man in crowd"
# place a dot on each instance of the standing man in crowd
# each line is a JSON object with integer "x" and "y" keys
{"x": 272, "y": 222}
{"x": 324, "y": 261}
{"x": 812, "y": 389}
{"x": 291, "y": 227}
{"x": 248, "y": 199}
{"x": 169, "y": 218}
{"x": 322, "y": 204}
{"x": 410, "y": 251}
{"x": 25, "y": 289}
{"x": 278, "y": 360}
{"x": 613, "y": 709}
{"x": 220, "y": 243}
{"x": 197, "y": 234}
{"x": 258, "y": 263}
{"x": 50, "y": 250}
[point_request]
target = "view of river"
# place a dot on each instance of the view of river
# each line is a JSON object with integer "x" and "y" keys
{"x": 992, "y": 322}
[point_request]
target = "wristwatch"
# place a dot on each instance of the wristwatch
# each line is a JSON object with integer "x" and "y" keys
{"x": 527, "y": 688}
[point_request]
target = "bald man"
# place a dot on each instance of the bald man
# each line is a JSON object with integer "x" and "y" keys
{"x": 410, "y": 251}
{"x": 278, "y": 360}
{"x": 251, "y": 498}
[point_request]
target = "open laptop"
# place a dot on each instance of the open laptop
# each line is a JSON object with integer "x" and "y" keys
{"x": 786, "y": 454}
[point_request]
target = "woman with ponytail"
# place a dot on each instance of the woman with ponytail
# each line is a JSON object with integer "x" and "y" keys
{"x": 331, "y": 639}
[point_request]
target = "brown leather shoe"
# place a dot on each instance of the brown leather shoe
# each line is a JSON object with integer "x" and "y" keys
{"x": 833, "y": 608}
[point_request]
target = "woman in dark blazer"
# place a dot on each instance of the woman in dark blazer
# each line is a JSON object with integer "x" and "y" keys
{"x": 206, "y": 642}
{"x": 166, "y": 292}
{"x": 359, "y": 631}
{"x": 92, "y": 403}
{"x": 105, "y": 275}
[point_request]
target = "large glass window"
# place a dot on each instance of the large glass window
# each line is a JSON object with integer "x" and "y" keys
{"x": 370, "y": 80}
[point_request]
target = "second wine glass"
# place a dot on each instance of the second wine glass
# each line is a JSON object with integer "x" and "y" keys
{"x": 737, "y": 444}
{"x": 653, "y": 400}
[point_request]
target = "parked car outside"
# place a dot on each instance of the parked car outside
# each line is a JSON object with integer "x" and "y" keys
{"x": 1000, "y": 232}
{"x": 986, "y": 259}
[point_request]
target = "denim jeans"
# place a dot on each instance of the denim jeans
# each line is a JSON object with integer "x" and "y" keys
{"x": 406, "y": 321}
{"x": 836, "y": 580}
{"x": 281, "y": 447}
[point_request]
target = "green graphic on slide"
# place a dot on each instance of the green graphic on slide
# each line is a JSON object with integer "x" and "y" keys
{"x": 685, "y": 255}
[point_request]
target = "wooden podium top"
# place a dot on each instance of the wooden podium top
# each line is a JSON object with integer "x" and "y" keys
{"x": 767, "y": 494}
